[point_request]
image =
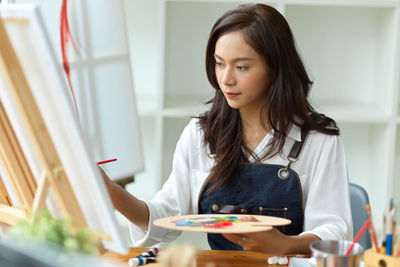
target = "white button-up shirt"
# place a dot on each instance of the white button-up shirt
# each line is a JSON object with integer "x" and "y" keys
{"x": 321, "y": 166}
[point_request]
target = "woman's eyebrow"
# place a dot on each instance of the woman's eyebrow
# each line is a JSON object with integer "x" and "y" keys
{"x": 235, "y": 59}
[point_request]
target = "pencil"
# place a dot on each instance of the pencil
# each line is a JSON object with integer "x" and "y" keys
{"x": 389, "y": 232}
{"x": 383, "y": 247}
{"x": 371, "y": 229}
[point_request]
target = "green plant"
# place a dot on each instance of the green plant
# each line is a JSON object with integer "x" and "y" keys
{"x": 42, "y": 227}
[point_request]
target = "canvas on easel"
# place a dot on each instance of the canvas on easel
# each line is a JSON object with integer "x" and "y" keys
{"x": 44, "y": 158}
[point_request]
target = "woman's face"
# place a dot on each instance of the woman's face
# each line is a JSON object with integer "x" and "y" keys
{"x": 241, "y": 72}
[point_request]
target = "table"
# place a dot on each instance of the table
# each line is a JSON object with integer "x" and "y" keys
{"x": 221, "y": 258}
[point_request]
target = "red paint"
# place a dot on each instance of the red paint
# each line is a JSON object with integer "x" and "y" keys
{"x": 217, "y": 225}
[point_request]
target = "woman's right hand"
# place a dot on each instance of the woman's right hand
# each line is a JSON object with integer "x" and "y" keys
{"x": 106, "y": 180}
{"x": 131, "y": 207}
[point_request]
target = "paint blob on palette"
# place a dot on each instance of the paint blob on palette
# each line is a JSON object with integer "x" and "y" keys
{"x": 209, "y": 222}
{"x": 221, "y": 223}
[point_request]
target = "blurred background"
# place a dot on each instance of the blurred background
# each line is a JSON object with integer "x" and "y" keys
{"x": 140, "y": 76}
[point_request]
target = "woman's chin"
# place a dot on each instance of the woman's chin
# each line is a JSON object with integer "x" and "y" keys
{"x": 233, "y": 105}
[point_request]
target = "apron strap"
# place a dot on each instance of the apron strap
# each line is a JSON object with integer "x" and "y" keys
{"x": 283, "y": 173}
{"x": 294, "y": 152}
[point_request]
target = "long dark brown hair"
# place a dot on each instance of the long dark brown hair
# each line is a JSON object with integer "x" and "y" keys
{"x": 268, "y": 33}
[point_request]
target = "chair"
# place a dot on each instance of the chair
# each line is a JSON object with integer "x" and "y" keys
{"x": 359, "y": 198}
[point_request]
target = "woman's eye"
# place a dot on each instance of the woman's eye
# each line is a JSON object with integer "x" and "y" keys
{"x": 242, "y": 67}
{"x": 219, "y": 64}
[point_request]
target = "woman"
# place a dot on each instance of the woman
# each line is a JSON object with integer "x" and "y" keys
{"x": 260, "y": 149}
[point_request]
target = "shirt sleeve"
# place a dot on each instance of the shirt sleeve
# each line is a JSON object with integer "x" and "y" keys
{"x": 328, "y": 211}
{"x": 174, "y": 197}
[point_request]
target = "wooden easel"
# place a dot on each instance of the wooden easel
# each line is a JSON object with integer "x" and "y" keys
{"x": 31, "y": 194}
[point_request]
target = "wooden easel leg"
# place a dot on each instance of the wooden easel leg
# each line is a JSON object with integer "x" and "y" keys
{"x": 4, "y": 197}
{"x": 41, "y": 193}
{"x": 11, "y": 159}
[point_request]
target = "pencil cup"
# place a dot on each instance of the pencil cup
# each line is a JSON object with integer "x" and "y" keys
{"x": 373, "y": 259}
{"x": 331, "y": 253}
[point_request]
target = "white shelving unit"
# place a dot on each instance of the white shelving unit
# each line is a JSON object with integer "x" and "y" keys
{"x": 350, "y": 48}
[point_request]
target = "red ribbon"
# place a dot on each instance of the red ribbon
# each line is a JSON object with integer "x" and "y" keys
{"x": 65, "y": 34}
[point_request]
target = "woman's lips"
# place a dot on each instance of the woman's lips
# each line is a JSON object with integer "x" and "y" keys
{"x": 232, "y": 95}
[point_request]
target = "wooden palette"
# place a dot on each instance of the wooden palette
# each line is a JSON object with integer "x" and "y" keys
{"x": 221, "y": 223}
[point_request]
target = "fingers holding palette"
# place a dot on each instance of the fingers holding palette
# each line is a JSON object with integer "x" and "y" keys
{"x": 221, "y": 223}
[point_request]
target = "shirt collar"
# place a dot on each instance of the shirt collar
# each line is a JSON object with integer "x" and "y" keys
{"x": 294, "y": 132}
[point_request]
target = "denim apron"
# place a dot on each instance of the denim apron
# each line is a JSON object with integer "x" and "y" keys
{"x": 261, "y": 189}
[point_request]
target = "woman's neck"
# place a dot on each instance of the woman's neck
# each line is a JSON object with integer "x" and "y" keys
{"x": 253, "y": 130}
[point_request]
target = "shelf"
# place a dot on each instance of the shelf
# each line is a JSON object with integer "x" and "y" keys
{"x": 147, "y": 107}
{"x": 176, "y": 99}
{"x": 340, "y": 112}
{"x": 352, "y": 112}
{"x": 350, "y": 58}
{"x": 185, "y": 111}
{"x": 185, "y": 102}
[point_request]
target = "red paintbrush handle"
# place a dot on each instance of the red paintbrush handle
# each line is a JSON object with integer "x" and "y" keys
{"x": 358, "y": 236}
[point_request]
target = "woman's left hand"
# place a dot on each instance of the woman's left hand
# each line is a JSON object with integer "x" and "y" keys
{"x": 270, "y": 242}
{"x": 274, "y": 242}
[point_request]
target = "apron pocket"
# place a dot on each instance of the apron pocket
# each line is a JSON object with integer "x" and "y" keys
{"x": 276, "y": 212}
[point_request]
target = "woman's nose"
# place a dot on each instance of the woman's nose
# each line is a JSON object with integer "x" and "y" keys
{"x": 228, "y": 77}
